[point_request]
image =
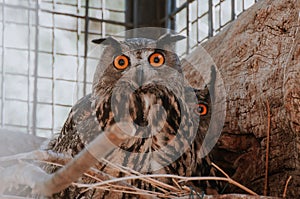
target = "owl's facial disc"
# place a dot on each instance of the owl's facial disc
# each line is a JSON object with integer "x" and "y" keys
{"x": 139, "y": 67}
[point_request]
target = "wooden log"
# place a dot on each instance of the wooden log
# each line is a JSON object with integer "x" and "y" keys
{"x": 258, "y": 59}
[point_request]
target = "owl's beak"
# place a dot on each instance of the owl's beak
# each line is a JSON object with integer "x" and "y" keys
{"x": 139, "y": 75}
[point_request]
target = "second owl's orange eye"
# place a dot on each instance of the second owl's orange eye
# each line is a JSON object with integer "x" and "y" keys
{"x": 121, "y": 62}
{"x": 201, "y": 109}
{"x": 156, "y": 59}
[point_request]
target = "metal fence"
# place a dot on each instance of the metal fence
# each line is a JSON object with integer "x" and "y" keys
{"x": 202, "y": 19}
{"x": 47, "y": 60}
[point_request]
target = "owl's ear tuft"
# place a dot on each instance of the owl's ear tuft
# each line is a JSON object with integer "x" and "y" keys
{"x": 107, "y": 41}
{"x": 168, "y": 39}
{"x": 98, "y": 41}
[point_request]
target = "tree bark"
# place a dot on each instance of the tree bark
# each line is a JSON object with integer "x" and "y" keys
{"x": 258, "y": 57}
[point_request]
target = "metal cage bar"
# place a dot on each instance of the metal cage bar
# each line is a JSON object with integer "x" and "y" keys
{"x": 28, "y": 70}
{"x": 86, "y": 28}
{"x": 3, "y": 69}
{"x": 34, "y": 110}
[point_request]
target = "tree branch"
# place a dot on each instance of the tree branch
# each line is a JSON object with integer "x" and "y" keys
{"x": 48, "y": 184}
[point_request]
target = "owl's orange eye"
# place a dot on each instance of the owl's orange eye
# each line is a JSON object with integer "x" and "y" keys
{"x": 201, "y": 109}
{"x": 121, "y": 62}
{"x": 156, "y": 59}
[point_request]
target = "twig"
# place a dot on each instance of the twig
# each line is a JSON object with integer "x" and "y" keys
{"x": 218, "y": 168}
{"x": 122, "y": 189}
{"x": 267, "y": 150}
{"x": 160, "y": 185}
{"x": 231, "y": 181}
{"x": 286, "y": 186}
{"x": 176, "y": 183}
{"x": 181, "y": 179}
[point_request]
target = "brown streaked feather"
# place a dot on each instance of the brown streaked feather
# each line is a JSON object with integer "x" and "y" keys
{"x": 161, "y": 106}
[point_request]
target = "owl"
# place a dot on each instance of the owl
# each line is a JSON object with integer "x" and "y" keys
{"x": 140, "y": 81}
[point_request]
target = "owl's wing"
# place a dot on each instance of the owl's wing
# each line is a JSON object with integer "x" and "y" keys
{"x": 78, "y": 130}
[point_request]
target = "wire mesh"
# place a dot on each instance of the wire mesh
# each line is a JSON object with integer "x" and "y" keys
{"x": 202, "y": 19}
{"x": 47, "y": 60}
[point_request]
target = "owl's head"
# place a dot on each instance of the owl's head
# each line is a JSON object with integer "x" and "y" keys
{"x": 137, "y": 62}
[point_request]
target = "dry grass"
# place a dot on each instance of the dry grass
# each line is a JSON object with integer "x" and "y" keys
{"x": 103, "y": 181}
{"x": 179, "y": 189}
